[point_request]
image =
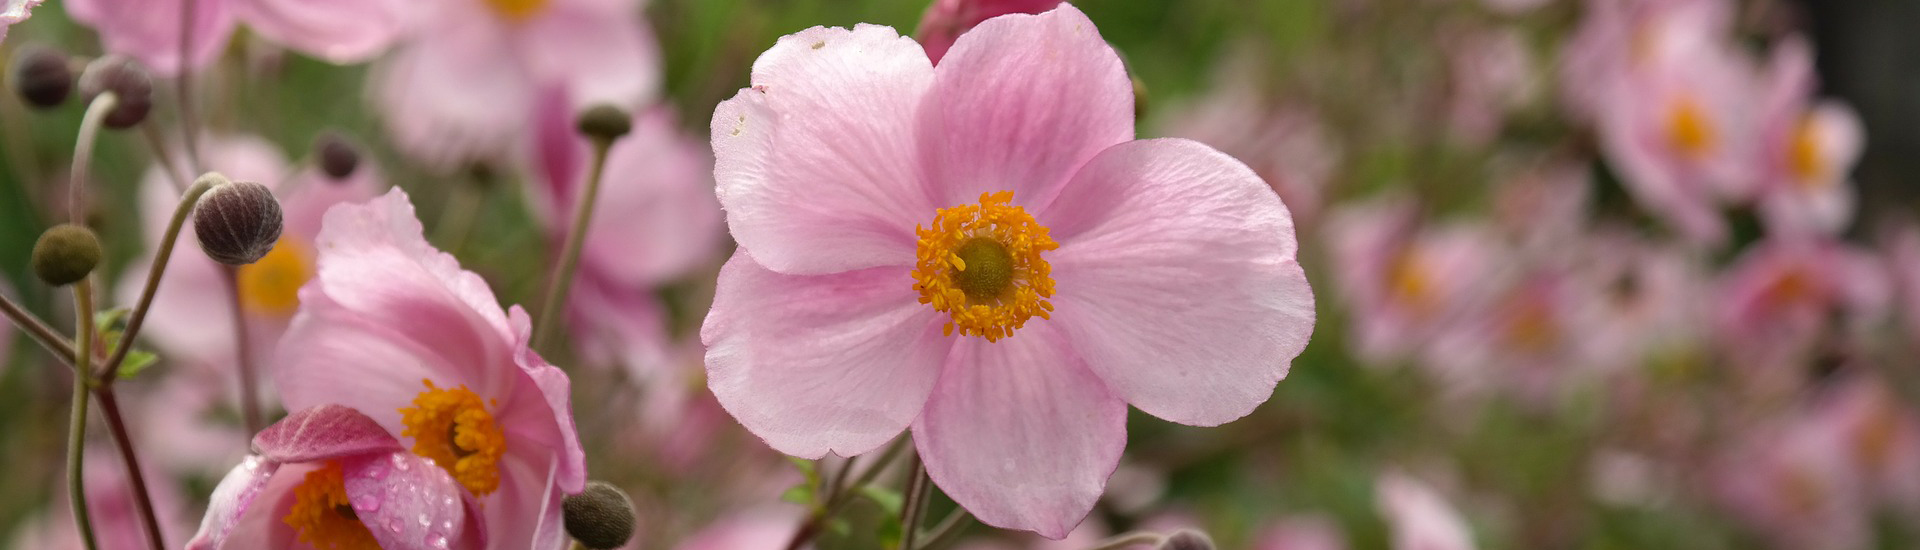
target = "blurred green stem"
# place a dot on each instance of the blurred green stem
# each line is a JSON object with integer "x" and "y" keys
{"x": 164, "y": 157}
{"x": 138, "y": 317}
{"x": 243, "y": 354}
{"x": 40, "y": 333}
{"x": 77, "y": 428}
{"x": 948, "y": 529}
{"x": 83, "y": 152}
{"x": 839, "y": 499}
{"x": 914, "y": 512}
{"x": 555, "y": 304}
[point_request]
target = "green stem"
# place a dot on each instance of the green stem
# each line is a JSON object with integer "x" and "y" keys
{"x": 555, "y": 304}
{"x": 948, "y": 529}
{"x": 138, "y": 317}
{"x": 83, "y": 151}
{"x": 242, "y": 352}
{"x": 919, "y": 490}
{"x": 117, "y": 427}
{"x": 40, "y": 331}
{"x": 811, "y": 528}
{"x": 77, "y": 429}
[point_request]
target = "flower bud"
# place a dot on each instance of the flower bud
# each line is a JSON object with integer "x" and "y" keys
{"x": 337, "y": 156}
{"x": 65, "y": 254}
{"x": 1187, "y": 539}
{"x": 41, "y": 76}
{"x": 600, "y": 517}
{"x": 605, "y": 122}
{"x": 237, "y": 223}
{"x": 129, "y": 83}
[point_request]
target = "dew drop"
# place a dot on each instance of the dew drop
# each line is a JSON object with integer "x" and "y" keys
{"x": 393, "y": 525}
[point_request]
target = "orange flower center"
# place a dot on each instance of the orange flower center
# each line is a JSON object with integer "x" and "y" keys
{"x": 1410, "y": 282}
{"x": 272, "y": 285}
{"x": 322, "y": 516}
{"x": 452, "y": 427}
{"x": 1803, "y": 154}
{"x": 1688, "y": 128}
{"x": 982, "y": 264}
{"x": 517, "y": 10}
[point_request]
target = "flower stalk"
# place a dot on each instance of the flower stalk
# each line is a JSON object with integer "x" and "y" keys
{"x": 138, "y": 317}
{"x": 90, "y": 124}
{"x": 77, "y": 428}
{"x": 554, "y": 305}
{"x": 243, "y": 359}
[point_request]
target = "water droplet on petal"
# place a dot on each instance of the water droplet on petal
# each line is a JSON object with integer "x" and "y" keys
{"x": 393, "y": 525}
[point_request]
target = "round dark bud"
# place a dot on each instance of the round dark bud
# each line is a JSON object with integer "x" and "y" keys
{"x": 237, "y": 223}
{"x": 605, "y": 122}
{"x": 1187, "y": 539}
{"x": 600, "y": 517}
{"x": 130, "y": 86}
{"x": 337, "y": 156}
{"x": 65, "y": 254}
{"x": 41, "y": 76}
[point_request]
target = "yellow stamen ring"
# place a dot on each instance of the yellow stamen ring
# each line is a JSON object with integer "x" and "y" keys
{"x": 982, "y": 264}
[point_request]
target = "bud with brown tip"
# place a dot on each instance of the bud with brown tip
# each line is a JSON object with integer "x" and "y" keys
{"x": 605, "y": 122}
{"x": 600, "y": 517}
{"x": 337, "y": 157}
{"x": 41, "y": 76}
{"x": 65, "y": 254}
{"x": 1187, "y": 539}
{"x": 238, "y": 222}
{"x": 130, "y": 86}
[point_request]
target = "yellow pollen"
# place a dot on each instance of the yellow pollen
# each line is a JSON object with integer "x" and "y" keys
{"x": 323, "y": 517}
{"x": 272, "y": 285}
{"x": 981, "y": 264}
{"x": 1803, "y": 154}
{"x": 1409, "y": 282}
{"x": 1688, "y": 128}
{"x": 452, "y": 427}
{"x": 1531, "y": 328}
{"x": 517, "y": 10}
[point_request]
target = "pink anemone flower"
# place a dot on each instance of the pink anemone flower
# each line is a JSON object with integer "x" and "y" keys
{"x": 468, "y": 82}
{"x": 981, "y": 252}
{"x": 13, "y": 12}
{"x": 338, "y": 31}
{"x": 1777, "y": 302}
{"x": 1407, "y": 283}
{"x": 1807, "y": 149}
{"x": 396, "y": 329}
{"x": 1792, "y": 480}
{"x": 329, "y": 477}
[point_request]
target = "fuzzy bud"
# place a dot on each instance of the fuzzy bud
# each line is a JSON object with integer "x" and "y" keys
{"x": 605, "y": 122}
{"x": 600, "y": 517}
{"x": 1187, "y": 539}
{"x": 337, "y": 156}
{"x": 237, "y": 223}
{"x": 65, "y": 254}
{"x": 130, "y": 86}
{"x": 41, "y": 76}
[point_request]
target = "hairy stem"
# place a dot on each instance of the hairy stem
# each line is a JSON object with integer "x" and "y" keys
{"x": 122, "y": 440}
{"x": 138, "y": 317}
{"x": 83, "y": 152}
{"x": 77, "y": 427}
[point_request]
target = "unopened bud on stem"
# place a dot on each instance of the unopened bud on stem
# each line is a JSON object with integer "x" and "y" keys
{"x": 65, "y": 254}
{"x": 337, "y": 156}
{"x": 238, "y": 222}
{"x": 600, "y": 517}
{"x": 129, "y": 83}
{"x": 605, "y": 122}
{"x": 41, "y": 76}
{"x": 1187, "y": 539}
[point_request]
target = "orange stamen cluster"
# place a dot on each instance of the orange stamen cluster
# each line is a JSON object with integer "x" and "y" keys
{"x": 452, "y": 427}
{"x": 517, "y": 10}
{"x": 272, "y": 285}
{"x": 981, "y": 263}
{"x": 323, "y": 518}
{"x": 1688, "y": 128}
{"x": 1803, "y": 154}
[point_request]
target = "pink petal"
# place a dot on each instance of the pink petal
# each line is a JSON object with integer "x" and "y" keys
{"x": 598, "y": 55}
{"x": 525, "y": 513}
{"x": 406, "y": 500}
{"x": 450, "y": 96}
{"x": 149, "y": 30}
{"x": 320, "y": 433}
{"x": 816, "y": 364}
{"x": 1019, "y": 103}
{"x": 231, "y": 500}
{"x": 340, "y": 31}
{"x": 1176, "y": 280}
{"x": 543, "y": 419}
{"x": 332, "y": 356}
{"x": 816, "y": 162}
{"x": 1020, "y": 433}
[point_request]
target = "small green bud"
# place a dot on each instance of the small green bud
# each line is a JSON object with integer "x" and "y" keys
{"x": 238, "y": 222}
{"x": 605, "y": 122}
{"x": 600, "y": 517}
{"x": 65, "y": 254}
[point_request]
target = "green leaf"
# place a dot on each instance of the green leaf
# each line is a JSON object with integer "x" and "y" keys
{"x": 135, "y": 362}
{"x": 801, "y": 494}
{"x": 888, "y": 500}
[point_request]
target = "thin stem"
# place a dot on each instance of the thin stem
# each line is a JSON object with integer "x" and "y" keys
{"x": 77, "y": 427}
{"x": 41, "y": 333}
{"x": 165, "y": 158}
{"x": 919, "y": 490}
{"x": 249, "y": 398}
{"x": 839, "y": 481}
{"x": 811, "y": 528}
{"x": 83, "y": 151}
{"x": 551, "y": 309}
{"x": 160, "y": 258}
{"x": 1129, "y": 539}
{"x": 949, "y": 528}
{"x": 184, "y": 87}
{"x": 117, "y": 426}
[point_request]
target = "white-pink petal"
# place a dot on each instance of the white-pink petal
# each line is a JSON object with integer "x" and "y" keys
{"x": 821, "y": 363}
{"x": 1176, "y": 280}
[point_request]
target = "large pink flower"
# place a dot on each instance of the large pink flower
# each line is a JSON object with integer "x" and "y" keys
{"x": 394, "y": 328}
{"x": 1807, "y": 149}
{"x": 329, "y": 477}
{"x": 467, "y": 84}
{"x": 340, "y": 31}
{"x": 979, "y": 251}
